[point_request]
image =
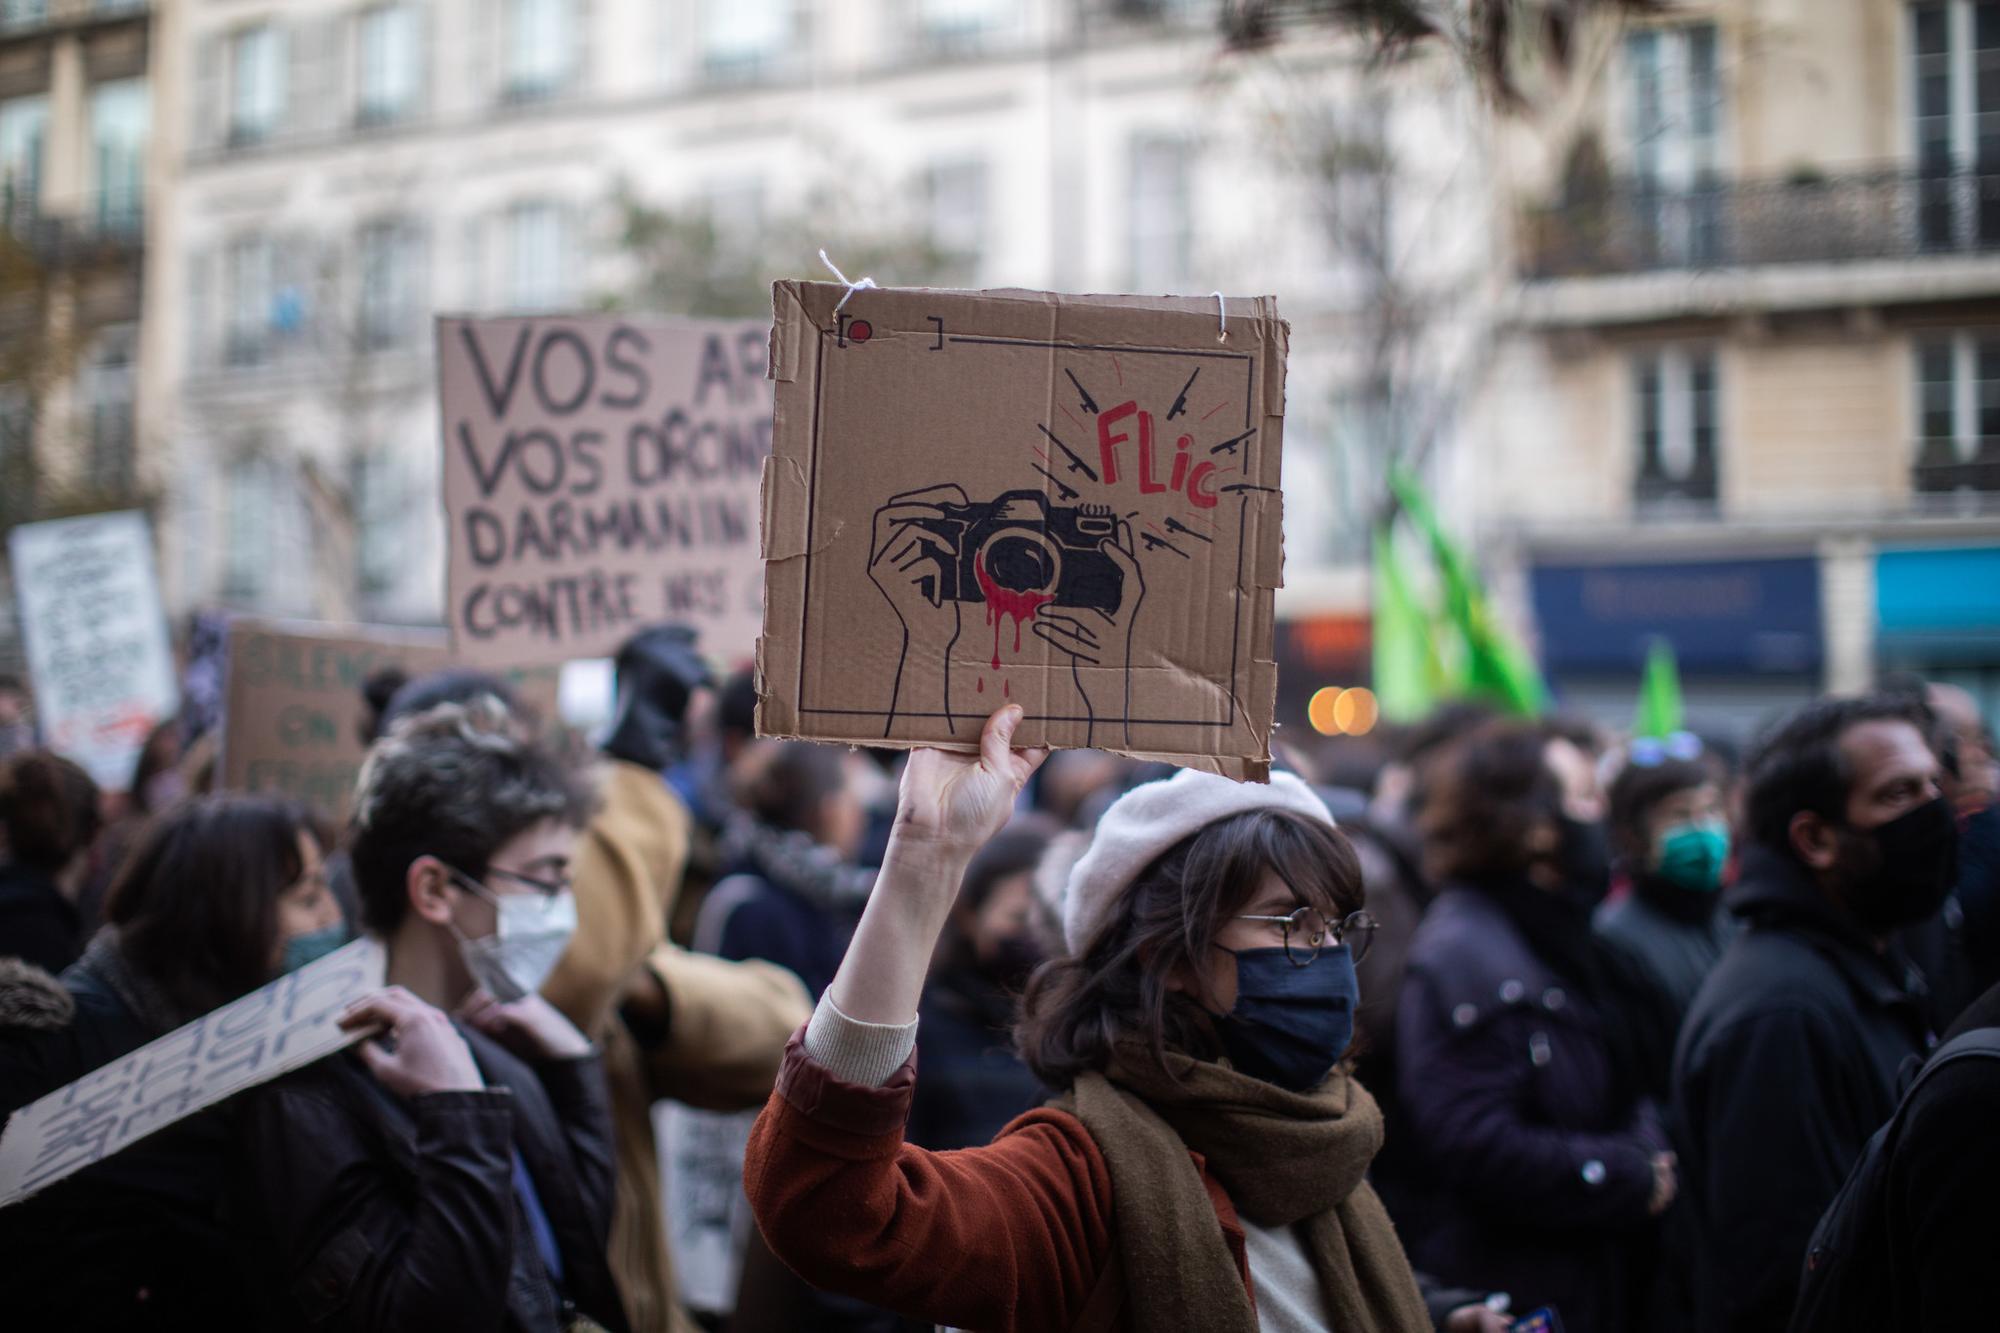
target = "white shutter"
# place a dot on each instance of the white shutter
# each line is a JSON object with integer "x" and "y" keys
{"x": 309, "y": 106}
{"x": 472, "y": 293}
{"x": 484, "y": 45}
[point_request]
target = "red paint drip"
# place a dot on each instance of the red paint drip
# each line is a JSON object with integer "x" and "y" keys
{"x": 1006, "y": 602}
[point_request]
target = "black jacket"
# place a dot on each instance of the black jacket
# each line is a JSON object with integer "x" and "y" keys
{"x": 139, "y": 1241}
{"x": 1537, "y": 1180}
{"x": 364, "y": 1211}
{"x": 1937, "y": 1236}
{"x": 37, "y": 923}
{"x": 1788, "y": 1062}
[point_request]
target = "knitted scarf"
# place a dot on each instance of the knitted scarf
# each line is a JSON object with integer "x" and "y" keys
{"x": 1284, "y": 1159}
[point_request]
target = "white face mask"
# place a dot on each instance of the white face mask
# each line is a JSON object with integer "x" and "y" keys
{"x": 526, "y": 944}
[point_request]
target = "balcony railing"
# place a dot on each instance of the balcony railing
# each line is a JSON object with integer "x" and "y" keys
{"x": 1946, "y": 467}
{"x": 19, "y": 16}
{"x": 1638, "y": 226}
{"x": 111, "y": 226}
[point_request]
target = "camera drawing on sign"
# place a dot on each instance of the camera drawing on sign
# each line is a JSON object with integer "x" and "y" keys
{"x": 1059, "y": 562}
{"x": 1066, "y": 573}
{"x": 1066, "y": 503}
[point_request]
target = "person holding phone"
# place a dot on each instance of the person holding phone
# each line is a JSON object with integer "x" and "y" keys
{"x": 455, "y": 1169}
{"x": 1204, "y": 1163}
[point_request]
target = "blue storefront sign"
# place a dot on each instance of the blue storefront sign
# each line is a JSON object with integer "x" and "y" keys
{"x": 1939, "y": 604}
{"x": 1725, "y": 617}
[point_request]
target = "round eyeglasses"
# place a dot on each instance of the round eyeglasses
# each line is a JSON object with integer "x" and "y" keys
{"x": 1307, "y": 931}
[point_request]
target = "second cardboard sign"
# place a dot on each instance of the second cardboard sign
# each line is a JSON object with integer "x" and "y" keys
{"x": 1070, "y": 503}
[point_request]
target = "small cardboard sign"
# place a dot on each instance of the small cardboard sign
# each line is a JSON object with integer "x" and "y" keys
{"x": 1070, "y": 503}
{"x": 600, "y": 476}
{"x": 285, "y": 1026}
{"x": 294, "y": 712}
{"x": 98, "y": 654}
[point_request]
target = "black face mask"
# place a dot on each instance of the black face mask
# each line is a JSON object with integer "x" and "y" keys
{"x": 1908, "y": 870}
{"x": 1583, "y": 860}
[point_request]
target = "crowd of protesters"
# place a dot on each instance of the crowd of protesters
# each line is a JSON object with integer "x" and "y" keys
{"x": 708, "y": 1031}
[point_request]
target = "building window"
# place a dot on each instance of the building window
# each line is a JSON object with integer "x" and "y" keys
{"x": 1955, "y": 78}
{"x": 24, "y": 127}
{"x": 120, "y": 118}
{"x": 1677, "y": 414}
{"x": 539, "y": 256}
{"x": 744, "y": 39}
{"x": 955, "y": 207}
{"x": 390, "y": 71}
{"x": 262, "y": 312}
{"x": 17, "y": 453}
{"x": 251, "y": 527}
{"x": 963, "y": 25}
{"x": 1958, "y": 413}
{"x": 256, "y": 84}
{"x": 539, "y": 52}
{"x": 107, "y": 394}
{"x": 1160, "y": 233}
{"x": 381, "y": 508}
{"x": 389, "y": 296}
{"x": 1675, "y": 110}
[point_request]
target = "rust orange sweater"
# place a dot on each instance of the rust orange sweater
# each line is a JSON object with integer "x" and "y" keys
{"x": 1009, "y": 1238}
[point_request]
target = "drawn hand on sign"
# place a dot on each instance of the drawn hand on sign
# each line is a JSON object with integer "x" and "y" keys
{"x": 910, "y": 553}
{"x": 1100, "y": 638}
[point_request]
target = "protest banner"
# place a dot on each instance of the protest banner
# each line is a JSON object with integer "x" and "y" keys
{"x": 600, "y": 475}
{"x": 294, "y": 715}
{"x": 98, "y": 654}
{"x": 1071, "y": 503}
{"x": 286, "y": 1025}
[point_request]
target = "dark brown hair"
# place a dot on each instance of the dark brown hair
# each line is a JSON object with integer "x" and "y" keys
{"x": 48, "y": 807}
{"x": 196, "y": 904}
{"x": 1078, "y": 1008}
{"x": 1488, "y": 795}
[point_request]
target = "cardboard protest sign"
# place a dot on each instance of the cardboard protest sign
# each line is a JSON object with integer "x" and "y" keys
{"x": 1071, "y": 503}
{"x": 286, "y": 1025}
{"x": 600, "y": 475}
{"x": 293, "y": 709}
{"x": 98, "y": 654}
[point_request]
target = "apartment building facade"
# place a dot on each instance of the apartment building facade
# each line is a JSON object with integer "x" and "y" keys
{"x": 1749, "y": 390}
{"x": 350, "y": 167}
{"x": 75, "y": 157}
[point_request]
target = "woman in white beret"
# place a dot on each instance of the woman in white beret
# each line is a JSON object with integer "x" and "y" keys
{"x": 1203, "y": 1166}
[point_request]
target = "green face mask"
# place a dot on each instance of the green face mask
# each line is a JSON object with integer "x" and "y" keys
{"x": 1691, "y": 856}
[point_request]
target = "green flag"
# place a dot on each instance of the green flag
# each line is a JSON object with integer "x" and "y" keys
{"x": 1408, "y": 675}
{"x": 1496, "y": 667}
{"x": 1659, "y": 713}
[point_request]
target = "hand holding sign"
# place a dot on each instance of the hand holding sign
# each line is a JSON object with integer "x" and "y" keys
{"x": 418, "y": 1050}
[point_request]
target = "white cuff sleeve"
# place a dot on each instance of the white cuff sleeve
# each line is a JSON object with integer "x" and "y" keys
{"x": 857, "y": 1052}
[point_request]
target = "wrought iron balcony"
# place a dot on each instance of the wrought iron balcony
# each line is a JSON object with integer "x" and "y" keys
{"x": 1638, "y": 226}
{"x": 1947, "y": 467}
{"x": 23, "y": 16}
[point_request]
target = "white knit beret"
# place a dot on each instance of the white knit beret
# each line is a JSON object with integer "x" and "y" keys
{"x": 1145, "y": 822}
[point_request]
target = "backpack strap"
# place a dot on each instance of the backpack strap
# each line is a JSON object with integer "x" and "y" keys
{"x": 1973, "y": 1043}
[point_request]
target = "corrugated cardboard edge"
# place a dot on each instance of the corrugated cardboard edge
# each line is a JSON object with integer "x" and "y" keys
{"x": 800, "y": 309}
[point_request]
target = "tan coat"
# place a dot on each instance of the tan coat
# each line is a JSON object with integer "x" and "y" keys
{"x": 728, "y": 1021}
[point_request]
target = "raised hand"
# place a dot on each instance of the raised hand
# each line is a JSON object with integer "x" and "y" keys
{"x": 957, "y": 800}
{"x": 417, "y": 1050}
